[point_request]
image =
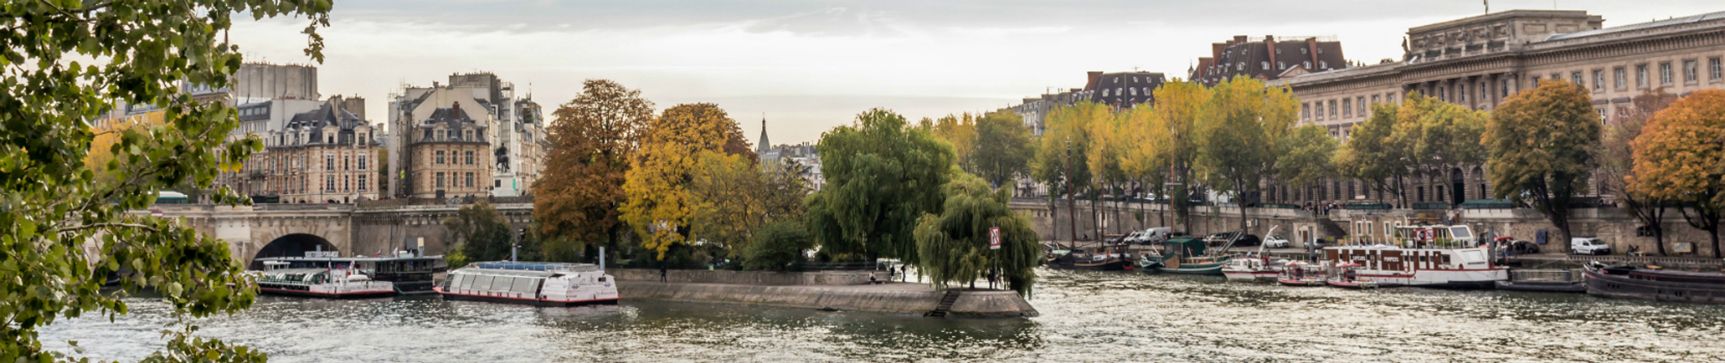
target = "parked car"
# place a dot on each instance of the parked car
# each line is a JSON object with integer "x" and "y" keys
{"x": 1276, "y": 242}
{"x": 1515, "y": 246}
{"x": 1154, "y": 235}
{"x": 1588, "y": 246}
{"x": 1222, "y": 238}
{"x": 1135, "y": 237}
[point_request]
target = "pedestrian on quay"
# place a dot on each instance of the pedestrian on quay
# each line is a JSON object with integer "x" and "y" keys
{"x": 663, "y": 273}
{"x": 891, "y": 273}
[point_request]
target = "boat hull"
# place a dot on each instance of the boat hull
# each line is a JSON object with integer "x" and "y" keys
{"x": 1250, "y": 275}
{"x": 1193, "y": 269}
{"x": 1299, "y": 283}
{"x": 353, "y": 294}
{"x": 522, "y": 301}
{"x": 1543, "y": 286}
{"x": 1623, "y": 287}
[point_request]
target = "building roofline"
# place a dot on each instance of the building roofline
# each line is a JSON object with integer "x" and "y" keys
{"x": 1498, "y": 15}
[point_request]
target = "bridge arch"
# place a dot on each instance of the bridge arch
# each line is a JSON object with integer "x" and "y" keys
{"x": 293, "y": 245}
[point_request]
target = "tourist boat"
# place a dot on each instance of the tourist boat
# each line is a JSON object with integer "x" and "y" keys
{"x": 1252, "y": 268}
{"x": 1301, "y": 273}
{"x": 278, "y": 278}
{"x": 1629, "y": 282}
{"x": 1187, "y": 256}
{"x": 536, "y": 283}
{"x": 1428, "y": 256}
{"x": 409, "y": 271}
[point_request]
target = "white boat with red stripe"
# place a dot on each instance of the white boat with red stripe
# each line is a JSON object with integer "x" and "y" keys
{"x": 1426, "y": 256}
{"x": 534, "y": 283}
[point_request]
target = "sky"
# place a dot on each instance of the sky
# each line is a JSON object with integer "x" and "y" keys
{"x": 808, "y": 66}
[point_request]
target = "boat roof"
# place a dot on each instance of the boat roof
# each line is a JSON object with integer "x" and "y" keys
{"x": 295, "y": 271}
{"x": 351, "y": 259}
{"x": 535, "y": 266}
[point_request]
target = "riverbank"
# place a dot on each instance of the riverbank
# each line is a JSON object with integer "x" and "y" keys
{"x": 893, "y": 298}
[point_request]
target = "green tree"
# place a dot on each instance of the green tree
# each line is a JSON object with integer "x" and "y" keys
{"x": 658, "y": 204}
{"x": 1060, "y": 162}
{"x": 960, "y": 131}
{"x": 1616, "y": 162}
{"x": 778, "y": 246}
{"x": 1145, "y": 159}
{"x": 955, "y": 242}
{"x": 734, "y": 196}
{"x": 1004, "y": 147}
{"x": 483, "y": 235}
{"x": 1104, "y": 129}
{"x": 63, "y": 230}
{"x": 1305, "y": 156}
{"x": 1541, "y": 144}
{"x": 592, "y": 137}
{"x": 881, "y": 175}
{"x": 1439, "y": 135}
{"x": 1373, "y": 155}
{"x": 1180, "y": 104}
{"x": 1236, "y": 148}
{"x": 1680, "y": 156}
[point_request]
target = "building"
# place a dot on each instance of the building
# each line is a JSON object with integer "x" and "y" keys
{"x": 450, "y": 156}
{"x": 1120, "y": 90}
{"x": 1480, "y": 61}
{"x": 1034, "y": 110}
{"x": 512, "y": 128}
{"x": 266, "y": 96}
{"x": 327, "y": 155}
{"x": 1267, "y": 59}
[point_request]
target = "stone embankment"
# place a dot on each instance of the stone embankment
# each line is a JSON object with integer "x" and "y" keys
{"x": 835, "y": 290}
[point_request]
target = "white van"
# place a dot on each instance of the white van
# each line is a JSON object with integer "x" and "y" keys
{"x": 1155, "y": 235}
{"x": 1588, "y": 246}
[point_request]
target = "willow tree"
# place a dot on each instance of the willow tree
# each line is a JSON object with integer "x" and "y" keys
{"x": 1681, "y": 157}
{"x": 881, "y": 176}
{"x": 658, "y": 203}
{"x": 1541, "y": 145}
{"x": 592, "y": 137}
{"x": 954, "y": 244}
{"x": 64, "y": 225}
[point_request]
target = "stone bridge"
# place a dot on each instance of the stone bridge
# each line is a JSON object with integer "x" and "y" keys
{"x": 273, "y": 230}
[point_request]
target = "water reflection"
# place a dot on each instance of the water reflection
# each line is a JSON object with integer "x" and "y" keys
{"x": 1086, "y": 316}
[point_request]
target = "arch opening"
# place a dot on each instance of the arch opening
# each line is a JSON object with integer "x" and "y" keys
{"x": 292, "y": 245}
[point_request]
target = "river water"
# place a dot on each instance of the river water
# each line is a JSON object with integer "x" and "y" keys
{"x": 1086, "y": 316}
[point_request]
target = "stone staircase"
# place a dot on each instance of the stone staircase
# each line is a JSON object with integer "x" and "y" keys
{"x": 945, "y": 306}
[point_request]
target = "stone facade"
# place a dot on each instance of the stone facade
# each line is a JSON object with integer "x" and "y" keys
{"x": 450, "y": 155}
{"x": 1480, "y": 61}
{"x": 323, "y": 156}
{"x": 1267, "y": 59}
{"x": 512, "y": 130}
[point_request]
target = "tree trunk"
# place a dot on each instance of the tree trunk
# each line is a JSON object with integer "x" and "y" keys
{"x": 1071, "y": 217}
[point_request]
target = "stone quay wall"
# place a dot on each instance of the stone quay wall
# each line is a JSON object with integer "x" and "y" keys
{"x": 761, "y": 278}
{"x": 898, "y": 298}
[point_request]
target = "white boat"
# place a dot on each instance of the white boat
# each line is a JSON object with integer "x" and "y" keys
{"x": 1429, "y": 256}
{"x": 1252, "y": 268}
{"x": 537, "y": 283}
{"x": 279, "y": 279}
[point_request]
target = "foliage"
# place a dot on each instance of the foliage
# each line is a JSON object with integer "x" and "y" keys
{"x": 1180, "y": 105}
{"x": 961, "y": 132}
{"x": 1144, "y": 156}
{"x": 1305, "y": 156}
{"x": 658, "y": 204}
{"x": 778, "y": 246}
{"x": 1060, "y": 154}
{"x": 954, "y": 243}
{"x": 1003, "y": 148}
{"x": 734, "y": 196}
{"x": 592, "y": 139}
{"x": 1440, "y": 134}
{"x": 484, "y": 236}
{"x": 1541, "y": 144}
{"x": 1238, "y": 136}
{"x": 455, "y": 258}
{"x": 1616, "y": 162}
{"x": 881, "y": 175}
{"x": 1103, "y": 128}
{"x": 63, "y": 229}
{"x": 1680, "y": 156}
{"x": 1371, "y": 154}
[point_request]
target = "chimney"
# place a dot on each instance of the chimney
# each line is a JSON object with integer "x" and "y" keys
{"x": 1270, "y": 50}
{"x": 1239, "y": 39}
{"x": 1091, "y": 78}
{"x": 1312, "y": 51}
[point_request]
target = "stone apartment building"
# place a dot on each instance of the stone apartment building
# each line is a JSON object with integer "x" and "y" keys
{"x": 449, "y": 155}
{"x": 327, "y": 155}
{"x": 1267, "y": 59}
{"x": 510, "y": 128}
{"x": 1480, "y": 61}
{"x": 1121, "y": 90}
{"x": 266, "y": 96}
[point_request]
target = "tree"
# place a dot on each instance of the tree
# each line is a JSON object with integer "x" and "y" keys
{"x": 1540, "y": 144}
{"x": 1680, "y": 156}
{"x": 1236, "y": 147}
{"x": 955, "y": 242}
{"x": 1437, "y": 135}
{"x": 1060, "y": 162}
{"x": 1145, "y": 159}
{"x": 1305, "y": 156}
{"x": 593, "y": 137}
{"x": 734, "y": 196}
{"x": 778, "y": 246}
{"x": 657, "y": 201}
{"x": 881, "y": 175}
{"x": 1180, "y": 104}
{"x": 1003, "y": 148}
{"x": 1104, "y": 128}
{"x": 1371, "y": 154}
{"x": 961, "y": 132}
{"x": 483, "y": 235}
{"x": 1616, "y": 162}
{"x": 63, "y": 230}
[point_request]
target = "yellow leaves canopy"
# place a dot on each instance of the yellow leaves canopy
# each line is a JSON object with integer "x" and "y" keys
{"x": 1680, "y": 156}
{"x": 658, "y": 203}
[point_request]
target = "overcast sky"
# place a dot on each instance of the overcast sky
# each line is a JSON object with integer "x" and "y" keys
{"x": 810, "y": 65}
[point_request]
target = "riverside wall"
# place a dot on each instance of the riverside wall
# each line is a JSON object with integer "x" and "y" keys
{"x": 1616, "y": 226}
{"x": 899, "y": 298}
{"x": 763, "y": 278}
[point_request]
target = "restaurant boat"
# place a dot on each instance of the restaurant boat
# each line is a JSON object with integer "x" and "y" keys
{"x": 1628, "y": 282}
{"x": 535, "y": 283}
{"x": 1301, "y": 273}
{"x": 327, "y": 274}
{"x": 1427, "y": 256}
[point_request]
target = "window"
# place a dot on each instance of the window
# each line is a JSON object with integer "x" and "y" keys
{"x": 362, "y": 162}
{"x": 346, "y": 184}
{"x": 470, "y": 157}
{"x": 1641, "y": 76}
{"x": 1332, "y": 108}
{"x": 439, "y": 180}
{"x": 453, "y": 135}
{"x": 328, "y": 162}
{"x": 1320, "y": 111}
{"x": 467, "y": 135}
{"x": 345, "y": 160}
{"x": 1715, "y": 70}
{"x": 328, "y": 183}
{"x": 1375, "y": 99}
{"x": 1575, "y": 77}
{"x": 470, "y": 179}
{"x": 1461, "y": 92}
{"x": 1347, "y": 107}
{"x": 1598, "y": 80}
{"x": 427, "y": 135}
{"x": 1665, "y": 73}
{"x": 438, "y": 157}
{"x": 1360, "y": 102}
{"x": 362, "y": 182}
{"x": 1602, "y": 115}
{"x": 1691, "y": 71}
{"x": 1620, "y": 78}
{"x": 1536, "y": 81}
{"x": 1305, "y": 112}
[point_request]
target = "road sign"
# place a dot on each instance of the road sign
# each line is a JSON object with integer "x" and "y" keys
{"x": 994, "y": 238}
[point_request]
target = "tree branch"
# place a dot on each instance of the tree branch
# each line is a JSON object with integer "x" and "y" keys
{"x": 104, "y": 225}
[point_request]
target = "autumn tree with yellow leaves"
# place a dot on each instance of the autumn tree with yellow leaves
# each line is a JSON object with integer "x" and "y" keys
{"x": 592, "y": 140}
{"x": 658, "y": 203}
{"x": 1680, "y": 156}
{"x": 1541, "y": 145}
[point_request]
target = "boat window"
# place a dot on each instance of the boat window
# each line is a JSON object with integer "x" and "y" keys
{"x": 501, "y": 283}
{"x": 522, "y": 286}
{"x": 1460, "y": 232}
{"x": 457, "y": 280}
{"x": 483, "y": 282}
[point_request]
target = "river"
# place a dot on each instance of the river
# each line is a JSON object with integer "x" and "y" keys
{"x": 1086, "y": 316}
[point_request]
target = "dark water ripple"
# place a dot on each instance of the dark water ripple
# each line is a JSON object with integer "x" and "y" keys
{"x": 1086, "y": 316}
